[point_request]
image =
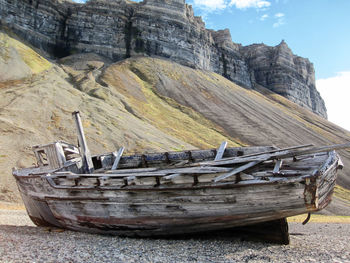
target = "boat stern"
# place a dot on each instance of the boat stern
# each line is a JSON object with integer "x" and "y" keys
{"x": 319, "y": 188}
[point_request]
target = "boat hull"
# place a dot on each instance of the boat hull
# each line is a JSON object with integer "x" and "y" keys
{"x": 162, "y": 210}
{"x": 137, "y": 218}
{"x": 166, "y": 212}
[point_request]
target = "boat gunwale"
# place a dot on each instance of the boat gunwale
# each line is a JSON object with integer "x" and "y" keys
{"x": 331, "y": 161}
{"x": 41, "y": 170}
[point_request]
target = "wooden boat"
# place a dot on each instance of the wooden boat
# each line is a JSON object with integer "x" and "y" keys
{"x": 170, "y": 193}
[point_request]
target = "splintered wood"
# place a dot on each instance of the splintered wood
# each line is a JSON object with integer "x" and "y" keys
{"x": 224, "y": 169}
{"x": 257, "y": 167}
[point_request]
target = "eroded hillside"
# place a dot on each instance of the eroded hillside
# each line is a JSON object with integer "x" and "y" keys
{"x": 251, "y": 117}
{"x": 144, "y": 104}
{"x": 168, "y": 29}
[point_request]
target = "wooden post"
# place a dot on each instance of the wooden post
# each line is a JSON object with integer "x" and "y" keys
{"x": 84, "y": 150}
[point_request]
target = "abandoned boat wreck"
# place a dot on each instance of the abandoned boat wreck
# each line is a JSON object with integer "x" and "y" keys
{"x": 175, "y": 192}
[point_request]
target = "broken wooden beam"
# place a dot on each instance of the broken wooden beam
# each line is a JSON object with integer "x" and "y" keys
{"x": 255, "y": 154}
{"x": 117, "y": 158}
{"x": 277, "y": 154}
{"x": 220, "y": 151}
{"x": 236, "y": 171}
{"x": 316, "y": 150}
{"x": 277, "y": 167}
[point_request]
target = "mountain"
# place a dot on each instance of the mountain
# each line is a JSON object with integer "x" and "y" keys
{"x": 119, "y": 29}
{"x": 143, "y": 104}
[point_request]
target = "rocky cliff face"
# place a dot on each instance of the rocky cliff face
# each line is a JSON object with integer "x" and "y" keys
{"x": 286, "y": 74}
{"x": 119, "y": 29}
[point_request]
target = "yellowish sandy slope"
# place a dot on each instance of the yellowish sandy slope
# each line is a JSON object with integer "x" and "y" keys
{"x": 17, "y": 60}
{"x": 146, "y": 104}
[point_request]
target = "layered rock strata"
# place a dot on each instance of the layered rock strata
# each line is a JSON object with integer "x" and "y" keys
{"x": 119, "y": 29}
{"x": 284, "y": 73}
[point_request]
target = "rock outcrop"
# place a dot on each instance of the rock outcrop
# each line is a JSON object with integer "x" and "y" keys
{"x": 120, "y": 29}
{"x": 286, "y": 74}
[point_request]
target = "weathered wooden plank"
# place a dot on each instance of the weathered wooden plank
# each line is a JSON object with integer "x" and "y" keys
{"x": 277, "y": 167}
{"x": 118, "y": 155}
{"x": 316, "y": 150}
{"x": 245, "y": 201}
{"x": 325, "y": 189}
{"x": 70, "y": 151}
{"x": 283, "y": 153}
{"x": 122, "y": 210}
{"x": 280, "y": 150}
{"x": 150, "y": 226}
{"x": 237, "y": 160}
{"x": 90, "y": 181}
{"x": 180, "y": 186}
{"x": 69, "y": 148}
{"x": 181, "y": 163}
{"x": 237, "y": 170}
{"x": 327, "y": 192}
{"x": 270, "y": 173}
{"x": 245, "y": 177}
{"x": 179, "y": 179}
{"x": 156, "y": 171}
{"x": 329, "y": 163}
{"x": 197, "y": 170}
{"x": 136, "y": 170}
{"x": 306, "y": 164}
{"x": 325, "y": 178}
{"x": 169, "y": 158}
{"x": 172, "y": 176}
{"x": 301, "y": 167}
{"x": 272, "y": 180}
{"x": 250, "y": 157}
{"x": 220, "y": 151}
{"x": 244, "y": 194}
{"x": 144, "y": 174}
{"x": 61, "y": 159}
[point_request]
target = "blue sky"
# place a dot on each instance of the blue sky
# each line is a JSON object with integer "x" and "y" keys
{"x": 315, "y": 29}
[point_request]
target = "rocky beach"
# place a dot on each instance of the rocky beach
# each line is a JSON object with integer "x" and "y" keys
{"x": 21, "y": 241}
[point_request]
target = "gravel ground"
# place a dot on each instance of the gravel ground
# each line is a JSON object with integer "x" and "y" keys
{"x": 20, "y": 241}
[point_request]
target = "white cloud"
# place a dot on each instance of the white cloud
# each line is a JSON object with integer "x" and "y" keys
{"x": 211, "y": 5}
{"x": 217, "y": 5}
{"x": 244, "y": 4}
{"x": 264, "y": 17}
{"x": 280, "y": 20}
{"x": 79, "y": 1}
{"x": 336, "y": 93}
{"x": 278, "y": 23}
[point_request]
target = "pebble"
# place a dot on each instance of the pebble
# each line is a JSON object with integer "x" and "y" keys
{"x": 21, "y": 241}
